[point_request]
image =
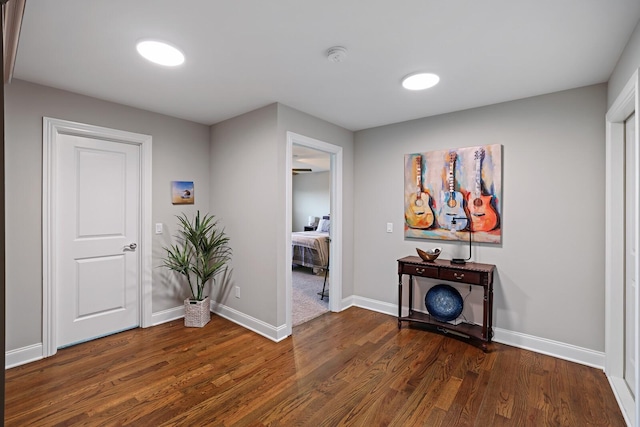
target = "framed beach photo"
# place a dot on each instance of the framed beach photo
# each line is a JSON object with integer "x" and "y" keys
{"x": 182, "y": 192}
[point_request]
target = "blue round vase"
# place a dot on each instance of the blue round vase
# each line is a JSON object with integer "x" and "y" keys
{"x": 444, "y": 303}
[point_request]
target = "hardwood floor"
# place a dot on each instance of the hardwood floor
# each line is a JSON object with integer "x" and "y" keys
{"x": 353, "y": 368}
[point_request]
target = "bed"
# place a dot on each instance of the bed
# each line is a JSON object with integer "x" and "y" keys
{"x": 311, "y": 248}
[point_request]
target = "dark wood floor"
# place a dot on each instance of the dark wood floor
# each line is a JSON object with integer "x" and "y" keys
{"x": 353, "y": 368}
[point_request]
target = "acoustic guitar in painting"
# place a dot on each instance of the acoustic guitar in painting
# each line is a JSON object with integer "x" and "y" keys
{"x": 451, "y": 203}
{"x": 418, "y": 213}
{"x": 483, "y": 214}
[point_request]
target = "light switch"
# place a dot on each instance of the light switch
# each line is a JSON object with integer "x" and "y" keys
{"x": 159, "y": 228}
{"x": 389, "y": 227}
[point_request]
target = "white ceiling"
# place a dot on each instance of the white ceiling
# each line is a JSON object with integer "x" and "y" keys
{"x": 245, "y": 54}
{"x": 308, "y": 158}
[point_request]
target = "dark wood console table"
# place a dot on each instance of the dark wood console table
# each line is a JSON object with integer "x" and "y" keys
{"x": 471, "y": 273}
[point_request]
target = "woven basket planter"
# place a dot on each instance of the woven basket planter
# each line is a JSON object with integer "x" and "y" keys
{"x": 197, "y": 313}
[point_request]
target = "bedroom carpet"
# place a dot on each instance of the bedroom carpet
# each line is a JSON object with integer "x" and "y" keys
{"x": 306, "y": 303}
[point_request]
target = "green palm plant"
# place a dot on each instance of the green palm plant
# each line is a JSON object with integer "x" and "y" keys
{"x": 201, "y": 253}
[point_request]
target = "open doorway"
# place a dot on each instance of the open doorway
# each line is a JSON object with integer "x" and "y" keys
{"x": 315, "y": 153}
{"x": 310, "y": 237}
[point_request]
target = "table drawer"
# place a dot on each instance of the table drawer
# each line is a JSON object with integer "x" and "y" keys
{"x": 461, "y": 276}
{"x": 418, "y": 270}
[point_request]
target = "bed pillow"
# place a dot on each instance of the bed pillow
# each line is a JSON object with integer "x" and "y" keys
{"x": 323, "y": 226}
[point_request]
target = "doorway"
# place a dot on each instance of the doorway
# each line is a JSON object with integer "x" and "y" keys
{"x": 96, "y": 232}
{"x": 335, "y": 252}
{"x": 311, "y": 205}
{"x": 622, "y": 263}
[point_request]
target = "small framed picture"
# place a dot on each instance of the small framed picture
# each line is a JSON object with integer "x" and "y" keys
{"x": 182, "y": 192}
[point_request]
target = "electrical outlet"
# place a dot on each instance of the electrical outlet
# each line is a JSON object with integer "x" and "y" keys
{"x": 237, "y": 291}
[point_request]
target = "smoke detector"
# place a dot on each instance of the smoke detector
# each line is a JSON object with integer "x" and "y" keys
{"x": 337, "y": 54}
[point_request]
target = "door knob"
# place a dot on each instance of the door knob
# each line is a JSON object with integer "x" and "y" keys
{"x": 132, "y": 246}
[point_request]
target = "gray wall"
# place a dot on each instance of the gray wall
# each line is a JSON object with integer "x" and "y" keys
{"x": 244, "y": 189}
{"x": 250, "y": 200}
{"x": 628, "y": 63}
{"x": 180, "y": 152}
{"x": 311, "y": 197}
{"x": 550, "y": 265}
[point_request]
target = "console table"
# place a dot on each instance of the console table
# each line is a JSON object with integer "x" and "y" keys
{"x": 471, "y": 273}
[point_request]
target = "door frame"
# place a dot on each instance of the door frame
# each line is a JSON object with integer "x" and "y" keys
{"x": 625, "y": 104}
{"x": 51, "y": 128}
{"x": 336, "y": 245}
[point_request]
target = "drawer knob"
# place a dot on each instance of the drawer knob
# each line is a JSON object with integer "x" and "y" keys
{"x": 419, "y": 270}
{"x": 458, "y": 276}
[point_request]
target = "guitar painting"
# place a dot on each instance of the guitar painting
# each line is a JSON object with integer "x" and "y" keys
{"x": 464, "y": 183}
{"x": 451, "y": 202}
{"x": 483, "y": 215}
{"x": 418, "y": 213}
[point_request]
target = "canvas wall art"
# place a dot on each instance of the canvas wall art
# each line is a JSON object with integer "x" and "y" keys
{"x": 182, "y": 193}
{"x": 451, "y": 193}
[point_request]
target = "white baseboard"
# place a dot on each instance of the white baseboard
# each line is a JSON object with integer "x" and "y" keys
{"x": 168, "y": 315}
{"x": 557, "y": 349}
{"x": 274, "y": 333}
{"x": 346, "y": 303}
{"x": 24, "y": 355}
{"x": 246, "y": 321}
{"x": 277, "y": 333}
{"x": 375, "y": 305}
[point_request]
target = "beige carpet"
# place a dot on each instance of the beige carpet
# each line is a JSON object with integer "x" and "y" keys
{"x": 306, "y": 303}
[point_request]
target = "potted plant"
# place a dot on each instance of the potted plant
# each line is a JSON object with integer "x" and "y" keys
{"x": 201, "y": 252}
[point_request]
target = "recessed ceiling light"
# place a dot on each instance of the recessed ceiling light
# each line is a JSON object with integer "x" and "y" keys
{"x": 160, "y": 53}
{"x": 420, "y": 81}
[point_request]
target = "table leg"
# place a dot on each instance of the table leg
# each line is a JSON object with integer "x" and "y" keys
{"x": 399, "y": 300}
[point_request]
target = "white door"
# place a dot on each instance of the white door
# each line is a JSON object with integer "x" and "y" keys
{"x": 97, "y": 214}
{"x": 631, "y": 254}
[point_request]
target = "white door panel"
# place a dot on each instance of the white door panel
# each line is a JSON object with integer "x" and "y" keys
{"x": 101, "y": 184}
{"x": 100, "y": 286}
{"x": 97, "y": 215}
